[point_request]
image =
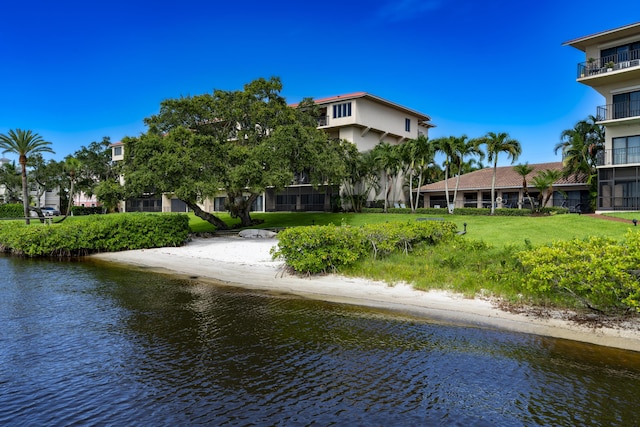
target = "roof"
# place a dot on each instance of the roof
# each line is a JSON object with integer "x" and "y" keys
{"x": 581, "y": 43}
{"x": 356, "y": 95}
{"x": 506, "y": 177}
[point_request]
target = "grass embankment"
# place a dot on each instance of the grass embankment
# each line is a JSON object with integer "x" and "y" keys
{"x": 481, "y": 262}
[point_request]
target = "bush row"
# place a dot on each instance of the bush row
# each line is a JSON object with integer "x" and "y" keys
{"x": 599, "y": 272}
{"x": 322, "y": 249}
{"x": 86, "y": 210}
{"x": 100, "y": 233}
{"x": 469, "y": 211}
{"x": 11, "y": 210}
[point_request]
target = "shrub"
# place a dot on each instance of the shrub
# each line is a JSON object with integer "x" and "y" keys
{"x": 323, "y": 249}
{"x": 11, "y": 210}
{"x": 103, "y": 233}
{"x": 86, "y": 210}
{"x": 599, "y": 272}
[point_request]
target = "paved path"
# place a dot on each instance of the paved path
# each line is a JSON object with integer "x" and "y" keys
{"x": 610, "y": 218}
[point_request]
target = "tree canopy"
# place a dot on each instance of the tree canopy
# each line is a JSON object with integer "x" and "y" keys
{"x": 236, "y": 142}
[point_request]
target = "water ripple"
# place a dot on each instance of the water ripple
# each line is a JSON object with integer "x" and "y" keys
{"x": 99, "y": 346}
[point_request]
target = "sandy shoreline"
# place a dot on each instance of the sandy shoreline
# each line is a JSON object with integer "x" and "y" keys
{"x": 247, "y": 263}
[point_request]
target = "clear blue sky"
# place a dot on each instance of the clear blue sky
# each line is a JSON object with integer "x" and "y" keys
{"x": 75, "y": 71}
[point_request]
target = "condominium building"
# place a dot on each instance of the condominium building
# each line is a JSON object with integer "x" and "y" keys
{"x": 361, "y": 118}
{"x": 612, "y": 68}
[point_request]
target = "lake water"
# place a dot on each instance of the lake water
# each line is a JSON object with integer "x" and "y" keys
{"x": 84, "y": 344}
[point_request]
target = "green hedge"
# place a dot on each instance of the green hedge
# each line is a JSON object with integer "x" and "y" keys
{"x": 86, "y": 210}
{"x": 100, "y": 233}
{"x": 598, "y": 272}
{"x": 11, "y": 210}
{"x": 323, "y": 249}
{"x": 469, "y": 211}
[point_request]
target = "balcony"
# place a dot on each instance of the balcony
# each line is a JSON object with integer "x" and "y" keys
{"x": 619, "y": 156}
{"x": 323, "y": 121}
{"x": 619, "y": 110}
{"x": 608, "y": 64}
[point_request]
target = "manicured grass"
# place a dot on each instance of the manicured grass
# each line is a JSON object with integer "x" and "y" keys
{"x": 494, "y": 230}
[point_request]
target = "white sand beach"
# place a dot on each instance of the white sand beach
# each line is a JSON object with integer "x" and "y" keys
{"x": 247, "y": 263}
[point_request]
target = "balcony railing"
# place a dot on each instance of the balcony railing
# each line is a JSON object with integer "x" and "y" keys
{"x": 609, "y": 63}
{"x": 323, "y": 121}
{"x": 619, "y": 110}
{"x": 619, "y": 156}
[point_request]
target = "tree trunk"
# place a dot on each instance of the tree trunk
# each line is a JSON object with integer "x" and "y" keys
{"x": 244, "y": 213}
{"x": 25, "y": 189}
{"x": 446, "y": 184}
{"x": 209, "y": 217}
{"x": 415, "y": 205}
{"x": 493, "y": 186}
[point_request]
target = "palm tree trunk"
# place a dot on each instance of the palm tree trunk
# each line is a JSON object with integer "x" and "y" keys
{"x": 25, "y": 190}
{"x": 446, "y": 184}
{"x": 493, "y": 186}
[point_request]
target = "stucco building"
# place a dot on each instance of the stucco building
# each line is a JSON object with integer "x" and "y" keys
{"x": 612, "y": 68}
{"x": 361, "y": 118}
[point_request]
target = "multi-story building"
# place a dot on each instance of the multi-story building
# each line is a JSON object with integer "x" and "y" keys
{"x": 361, "y": 118}
{"x": 612, "y": 68}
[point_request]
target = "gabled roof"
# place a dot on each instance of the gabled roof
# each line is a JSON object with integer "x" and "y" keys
{"x": 581, "y": 43}
{"x": 355, "y": 95}
{"x": 506, "y": 178}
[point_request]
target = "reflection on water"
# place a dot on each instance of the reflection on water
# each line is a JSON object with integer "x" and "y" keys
{"x": 90, "y": 345}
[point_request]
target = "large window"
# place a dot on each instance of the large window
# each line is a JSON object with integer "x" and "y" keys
{"x": 626, "y": 105}
{"x": 626, "y": 150}
{"x": 342, "y": 110}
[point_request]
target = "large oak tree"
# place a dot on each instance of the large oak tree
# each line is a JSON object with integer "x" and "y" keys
{"x": 236, "y": 142}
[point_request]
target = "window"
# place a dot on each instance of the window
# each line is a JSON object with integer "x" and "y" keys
{"x": 117, "y": 151}
{"x": 407, "y": 125}
{"x": 626, "y": 105}
{"x": 626, "y": 150}
{"x": 342, "y": 110}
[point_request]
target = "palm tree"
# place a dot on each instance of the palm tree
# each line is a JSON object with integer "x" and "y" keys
{"x": 24, "y": 143}
{"x": 419, "y": 154}
{"x": 463, "y": 149}
{"x": 497, "y": 143}
{"x": 581, "y": 147}
{"x": 388, "y": 159}
{"x": 447, "y": 146}
{"x": 543, "y": 182}
{"x": 524, "y": 170}
{"x": 72, "y": 166}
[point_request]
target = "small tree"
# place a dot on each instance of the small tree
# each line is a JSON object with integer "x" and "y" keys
{"x": 24, "y": 143}
{"x": 543, "y": 182}
{"x": 523, "y": 170}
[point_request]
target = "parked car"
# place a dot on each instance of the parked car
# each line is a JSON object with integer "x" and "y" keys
{"x": 49, "y": 211}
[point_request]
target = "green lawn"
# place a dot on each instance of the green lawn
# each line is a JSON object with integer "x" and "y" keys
{"x": 495, "y": 230}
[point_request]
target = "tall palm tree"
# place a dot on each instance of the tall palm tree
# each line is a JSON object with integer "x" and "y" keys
{"x": 523, "y": 170}
{"x": 447, "y": 146}
{"x": 581, "y": 146}
{"x": 24, "y": 143}
{"x": 388, "y": 158}
{"x": 497, "y": 143}
{"x": 72, "y": 166}
{"x": 464, "y": 148}
{"x": 419, "y": 154}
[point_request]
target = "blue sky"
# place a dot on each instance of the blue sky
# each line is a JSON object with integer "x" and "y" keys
{"x": 75, "y": 71}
